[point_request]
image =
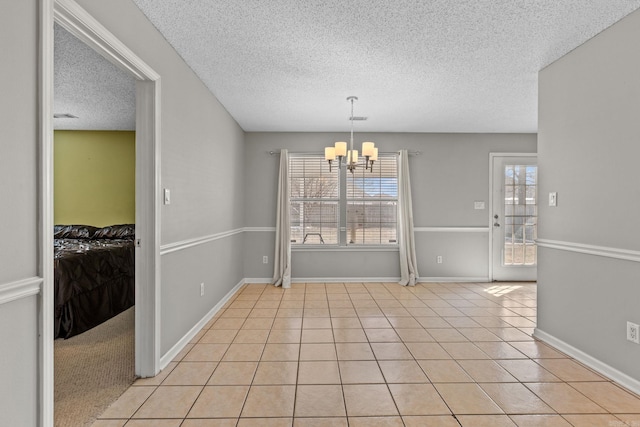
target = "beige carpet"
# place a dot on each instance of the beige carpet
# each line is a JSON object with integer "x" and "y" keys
{"x": 92, "y": 370}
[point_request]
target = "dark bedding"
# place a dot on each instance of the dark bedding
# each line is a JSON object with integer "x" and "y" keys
{"x": 94, "y": 279}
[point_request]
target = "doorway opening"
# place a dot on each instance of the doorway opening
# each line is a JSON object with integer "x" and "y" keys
{"x": 94, "y": 216}
{"x": 82, "y": 25}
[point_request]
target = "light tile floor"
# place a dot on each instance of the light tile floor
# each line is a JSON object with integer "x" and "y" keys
{"x": 374, "y": 354}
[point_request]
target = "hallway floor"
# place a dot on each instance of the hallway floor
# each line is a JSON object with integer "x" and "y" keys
{"x": 374, "y": 354}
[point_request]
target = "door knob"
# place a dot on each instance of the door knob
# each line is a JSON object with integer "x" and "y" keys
{"x": 496, "y": 216}
{"x": 495, "y": 224}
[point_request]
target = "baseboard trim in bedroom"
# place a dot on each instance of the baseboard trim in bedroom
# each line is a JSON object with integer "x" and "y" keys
{"x": 181, "y": 344}
{"x": 597, "y": 365}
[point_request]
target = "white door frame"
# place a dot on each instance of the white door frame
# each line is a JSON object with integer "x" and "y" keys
{"x": 73, "y": 18}
{"x": 492, "y": 156}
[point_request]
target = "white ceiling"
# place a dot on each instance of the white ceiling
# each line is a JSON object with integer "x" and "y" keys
{"x": 416, "y": 66}
{"x": 86, "y": 85}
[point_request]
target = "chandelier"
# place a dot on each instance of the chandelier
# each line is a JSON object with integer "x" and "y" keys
{"x": 339, "y": 150}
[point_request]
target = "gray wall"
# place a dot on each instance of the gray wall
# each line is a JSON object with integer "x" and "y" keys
{"x": 217, "y": 264}
{"x": 451, "y": 173}
{"x": 19, "y": 144}
{"x": 588, "y": 152}
{"x": 18, "y": 211}
{"x": 206, "y": 193}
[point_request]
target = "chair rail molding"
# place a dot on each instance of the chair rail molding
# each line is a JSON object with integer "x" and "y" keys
{"x": 197, "y": 241}
{"x": 451, "y": 229}
{"x": 603, "y": 251}
{"x": 20, "y": 289}
{"x": 260, "y": 229}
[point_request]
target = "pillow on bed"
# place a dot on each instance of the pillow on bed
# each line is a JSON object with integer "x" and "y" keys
{"x": 73, "y": 231}
{"x": 121, "y": 231}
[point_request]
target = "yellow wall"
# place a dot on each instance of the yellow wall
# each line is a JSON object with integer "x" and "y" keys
{"x": 94, "y": 177}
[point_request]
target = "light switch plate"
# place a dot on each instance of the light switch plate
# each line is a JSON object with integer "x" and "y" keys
{"x": 553, "y": 199}
{"x": 478, "y": 205}
{"x": 167, "y": 196}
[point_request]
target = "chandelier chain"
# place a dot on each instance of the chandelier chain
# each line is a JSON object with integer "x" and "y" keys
{"x": 352, "y": 98}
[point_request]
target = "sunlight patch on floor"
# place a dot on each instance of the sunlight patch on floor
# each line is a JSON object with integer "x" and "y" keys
{"x": 500, "y": 290}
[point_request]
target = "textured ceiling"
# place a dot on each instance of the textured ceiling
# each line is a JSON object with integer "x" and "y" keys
{"x": 87, "y": 86}
{"x": 417, "y": 66}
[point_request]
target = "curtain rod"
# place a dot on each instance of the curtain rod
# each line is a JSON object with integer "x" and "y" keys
{"x": 411, "y": 153}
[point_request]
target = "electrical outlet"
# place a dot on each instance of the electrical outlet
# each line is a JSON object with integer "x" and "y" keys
{"x": 201, "y": 289}
{"x": 265, "y": 259}
{"x": 439, "y": 259}
{"x": 633, "y": 332}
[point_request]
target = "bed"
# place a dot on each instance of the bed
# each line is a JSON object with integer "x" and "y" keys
{"x": 94, "y": 275}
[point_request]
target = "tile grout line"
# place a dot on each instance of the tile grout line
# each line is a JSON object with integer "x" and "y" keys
{"x": 246, "y": 397}
{"x": 221, "y": 357}
{"x": 449, "y": 296}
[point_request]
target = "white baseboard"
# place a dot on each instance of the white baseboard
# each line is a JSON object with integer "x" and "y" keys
{"x": 328, "y": 280}
{"x": 453, "y": 279}
{"x": 177, "y": 348}
{"x": 345, "y": 279}
{"x": 370, "y": 279}
{"x": 613, "y": 374}
{"x": 258, "y": 280}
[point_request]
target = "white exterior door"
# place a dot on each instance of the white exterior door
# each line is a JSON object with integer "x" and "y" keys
{"x": 514, "y": 217}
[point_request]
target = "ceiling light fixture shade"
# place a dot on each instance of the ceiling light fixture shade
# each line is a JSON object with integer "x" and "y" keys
{"x": 367, "y": 148}
{"x": 339, "y": 150}
{"x": 330, "y": 153}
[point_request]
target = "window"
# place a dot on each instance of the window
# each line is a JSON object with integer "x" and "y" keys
{"x": 520, "y": 214}
{"x": 372, "y": 203}
{"x": 315, "y": 201}
{"x": 340, "y": 208}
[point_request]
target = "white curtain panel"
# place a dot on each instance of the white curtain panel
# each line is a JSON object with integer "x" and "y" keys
{"x": 408, "y": 264}
{"x": 282, "y": 257}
